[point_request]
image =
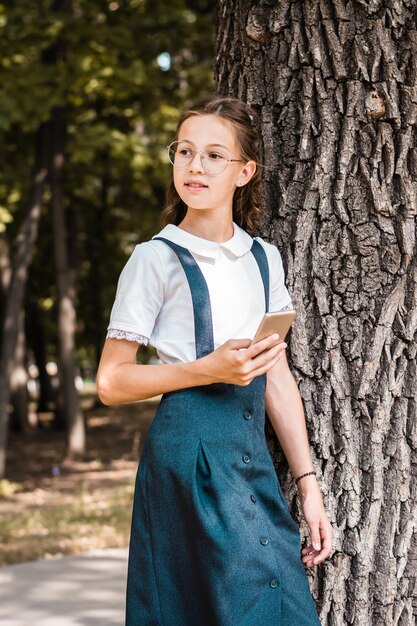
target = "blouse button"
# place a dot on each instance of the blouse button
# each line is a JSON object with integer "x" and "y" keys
{"x": 263, "y": 541}
{"x": 253, "y": 498}
{"x": 247, "y": 415}
{"x": 246, "y": 458}
{"x": 273, "y": 583}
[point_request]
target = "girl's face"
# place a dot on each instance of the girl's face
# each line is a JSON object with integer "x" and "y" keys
{"x": 198, "y": 189}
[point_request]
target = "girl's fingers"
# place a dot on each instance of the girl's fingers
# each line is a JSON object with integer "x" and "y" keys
{"x": 315, "y": 536}
{"x": 267, "y": 366}
{"x": 315, "y": 544}
{"x": 316, "y": 557}
{"x": 313, "y": 556}
{"x": 260, "y": 356}
{"x": 326, "y": 532}
{"x": 238, "y": 344}
{"x": 261, "y": 345}
{"x": 265, "y": 358}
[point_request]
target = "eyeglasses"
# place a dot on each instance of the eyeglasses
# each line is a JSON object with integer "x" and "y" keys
{"x": 213, "y": 161}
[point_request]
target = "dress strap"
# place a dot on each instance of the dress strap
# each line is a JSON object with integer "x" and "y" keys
{"x": 203, "y": 323}
{"x": 262, "y": 261}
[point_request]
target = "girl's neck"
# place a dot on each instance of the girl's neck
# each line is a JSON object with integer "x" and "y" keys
{"x": 213, "y": 228}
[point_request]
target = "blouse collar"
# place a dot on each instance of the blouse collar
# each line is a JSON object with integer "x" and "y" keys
{"x": 238, "y": 245}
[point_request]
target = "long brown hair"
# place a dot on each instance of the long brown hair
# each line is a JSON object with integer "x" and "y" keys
{"x": 246, "y": 199}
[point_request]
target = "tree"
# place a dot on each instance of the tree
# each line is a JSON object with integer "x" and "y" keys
{"x": 335, "y": 87}
{"x": 25, "y": 242}
{"x": 115, "y": 73}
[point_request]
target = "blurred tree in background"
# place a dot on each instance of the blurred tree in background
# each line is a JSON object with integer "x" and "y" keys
{"x": 89, "y": 97}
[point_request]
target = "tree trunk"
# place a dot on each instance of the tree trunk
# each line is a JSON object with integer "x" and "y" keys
{"x": 68, "y": 400}
{"x": 36, "y": 339}
{"x": 14, "y": 296}
{"x": 102, "y": 210}
{"x": 5, "y": 267}
{"x": 335, "y": 87}
{"x": 23, "y": 419}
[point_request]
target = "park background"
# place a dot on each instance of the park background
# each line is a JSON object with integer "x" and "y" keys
{"x": 90, "y": 93}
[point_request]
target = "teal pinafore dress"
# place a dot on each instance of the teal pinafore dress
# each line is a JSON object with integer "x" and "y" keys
{"x": 212, "y": 540}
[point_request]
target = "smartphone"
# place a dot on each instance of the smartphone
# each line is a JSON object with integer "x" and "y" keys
{"x": 274, "y": 322}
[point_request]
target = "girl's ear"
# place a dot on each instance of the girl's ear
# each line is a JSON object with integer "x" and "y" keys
{"x": 246, "y": 173}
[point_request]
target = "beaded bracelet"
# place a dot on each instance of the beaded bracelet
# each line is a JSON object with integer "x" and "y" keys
{"x": 302, "y": 476}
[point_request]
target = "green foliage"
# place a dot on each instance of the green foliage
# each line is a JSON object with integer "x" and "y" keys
{"x": 120, "y": 71}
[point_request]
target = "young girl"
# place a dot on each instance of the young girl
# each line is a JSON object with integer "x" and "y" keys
{"x": 212, "y": 541}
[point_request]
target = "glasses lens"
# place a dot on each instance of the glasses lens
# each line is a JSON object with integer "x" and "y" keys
{"x": 180, "y": 153}
{"x": 215, "y": 161}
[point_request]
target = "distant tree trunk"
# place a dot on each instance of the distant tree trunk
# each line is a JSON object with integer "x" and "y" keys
{"x": 36, "y": 339}
{"x": 14, "y": 295}
{"x": 335, "y": 86}
{"x": 23, "y": 419}
{"x": 68, "y": 400}
{"x": 5, "y": 267}
{"x": 96, "y": 248}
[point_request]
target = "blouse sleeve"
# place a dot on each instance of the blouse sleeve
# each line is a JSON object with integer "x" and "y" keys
{"x": 279, "y": 297}
{"x": 139, "y": 296}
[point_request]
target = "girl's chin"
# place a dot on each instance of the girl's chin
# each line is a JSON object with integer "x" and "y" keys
{"x": 194, "y": 196}
{"x": 195, "y": 202}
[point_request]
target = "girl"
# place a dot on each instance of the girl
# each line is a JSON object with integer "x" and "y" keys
{"x": 212, "y": 541}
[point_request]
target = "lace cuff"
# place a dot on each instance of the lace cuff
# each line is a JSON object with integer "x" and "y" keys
{"x": 114, "y": 333}
{"x": 287, "y": 307}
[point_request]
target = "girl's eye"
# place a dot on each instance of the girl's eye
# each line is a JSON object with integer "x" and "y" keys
{"x": 184, "y": 152}
{"x": 215, "y": 156}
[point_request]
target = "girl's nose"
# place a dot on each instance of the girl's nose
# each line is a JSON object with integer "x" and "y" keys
{"x": 196, "y": 163}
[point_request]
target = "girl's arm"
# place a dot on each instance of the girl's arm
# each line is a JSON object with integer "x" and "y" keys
{"x": 120, "y": 379}
{"x": 285, "y": 410}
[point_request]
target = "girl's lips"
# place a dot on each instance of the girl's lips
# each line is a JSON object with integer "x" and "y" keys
{"x": 195, "y": 186}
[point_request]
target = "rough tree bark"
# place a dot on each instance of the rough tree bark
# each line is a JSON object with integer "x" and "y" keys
{"x": 334, "y": 82}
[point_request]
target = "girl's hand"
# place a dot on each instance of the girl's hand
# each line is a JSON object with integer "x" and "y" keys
{"x": 237, "y": 362}
{"x": 321, "y": 531}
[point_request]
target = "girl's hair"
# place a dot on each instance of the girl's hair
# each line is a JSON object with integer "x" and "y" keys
{"x": 246, "y": 199}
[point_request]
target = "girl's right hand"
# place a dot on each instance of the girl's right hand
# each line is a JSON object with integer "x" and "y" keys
{"x": 237, "y": 362}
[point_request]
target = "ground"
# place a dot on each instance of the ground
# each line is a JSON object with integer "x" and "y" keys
{"x": 47, "y": 509}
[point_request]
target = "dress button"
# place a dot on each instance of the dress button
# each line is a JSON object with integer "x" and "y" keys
{"x": 246, "y": 458}
{"x": 247, "y": 415}
{"x": 253, "y": 498}
{"x": 263, "y": 541}
{"x": 273, "y": 583}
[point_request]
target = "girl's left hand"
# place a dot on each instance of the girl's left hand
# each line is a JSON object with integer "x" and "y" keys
{"x": 321, "y": 531}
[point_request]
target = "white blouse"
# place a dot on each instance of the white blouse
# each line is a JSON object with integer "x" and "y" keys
{"x": 153, "y": 300}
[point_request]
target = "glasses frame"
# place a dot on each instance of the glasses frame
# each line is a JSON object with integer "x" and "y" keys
{"x": 201, "y": 152}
